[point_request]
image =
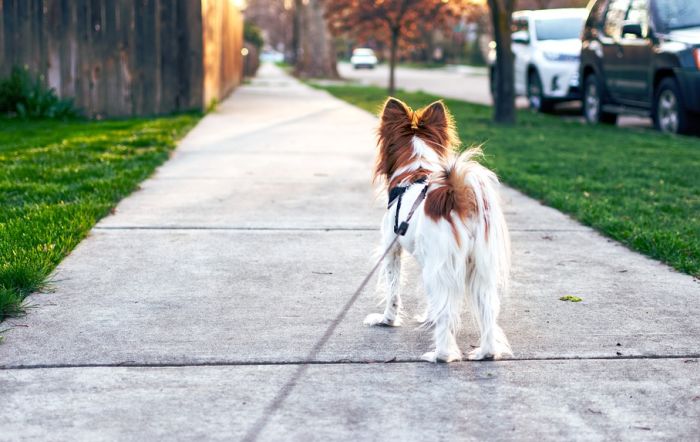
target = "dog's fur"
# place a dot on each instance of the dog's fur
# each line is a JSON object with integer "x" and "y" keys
{"x": 458, "y": 235}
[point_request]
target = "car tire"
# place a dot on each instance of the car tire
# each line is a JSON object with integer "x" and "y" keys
{"x": 593, "y": 103}
{"x": 535, "y": 94}
{"x": 670, "y": 115}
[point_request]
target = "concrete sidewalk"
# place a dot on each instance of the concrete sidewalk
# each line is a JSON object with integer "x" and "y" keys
{"x": 191, "y": 313}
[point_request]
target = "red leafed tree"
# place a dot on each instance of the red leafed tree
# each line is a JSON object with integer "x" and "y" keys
{"x": 393, "y": 21}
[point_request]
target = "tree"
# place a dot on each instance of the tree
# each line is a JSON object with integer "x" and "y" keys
{"x": 315, "y": 55}
{"x": 394, "y": 22}
{"x": 274, "y": 18}
{"x": 504, "y": 97}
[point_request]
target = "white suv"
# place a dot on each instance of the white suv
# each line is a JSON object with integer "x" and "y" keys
{"x": 363, "y": 58}
{"x": 546, "y": 48}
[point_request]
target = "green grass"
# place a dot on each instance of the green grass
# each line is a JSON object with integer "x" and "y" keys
{"x": 422, "y": 65}
{"x": 637, "y": 186}
{"x": 57, "y": 179}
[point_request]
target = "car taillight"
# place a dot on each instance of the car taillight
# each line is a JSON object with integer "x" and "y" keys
{"x": 696, "y": 52}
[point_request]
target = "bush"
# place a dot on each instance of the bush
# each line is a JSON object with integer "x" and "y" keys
{"x": 26, "y": 97}
{"x": 253, "y": 35}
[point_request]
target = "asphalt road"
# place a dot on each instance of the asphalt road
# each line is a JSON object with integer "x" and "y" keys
{"x": 459, "y": 82}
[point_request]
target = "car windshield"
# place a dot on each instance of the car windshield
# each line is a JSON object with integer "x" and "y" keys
{"x": 363, "y": 51}
{"x": 558, "y": 29}
{"x": 676, "y": 14}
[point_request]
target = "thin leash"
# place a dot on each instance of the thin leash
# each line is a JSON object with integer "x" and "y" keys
{"x": 287, "y": 388}
{"x": 400, "y": 230}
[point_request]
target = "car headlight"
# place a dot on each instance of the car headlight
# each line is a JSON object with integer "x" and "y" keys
{"x": 555, "y": 56}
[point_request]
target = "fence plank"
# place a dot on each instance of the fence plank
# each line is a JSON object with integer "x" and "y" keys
{"x": 123, "y": 58}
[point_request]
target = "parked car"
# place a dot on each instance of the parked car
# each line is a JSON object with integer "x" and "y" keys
{"x": 363, "y": 58}
{"x": 546, "y": 46}
{"x": 643, "y": 57}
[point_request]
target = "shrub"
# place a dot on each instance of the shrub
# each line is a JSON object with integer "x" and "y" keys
{"x": 253, "y": 35}
{"x": 26, "y": 97}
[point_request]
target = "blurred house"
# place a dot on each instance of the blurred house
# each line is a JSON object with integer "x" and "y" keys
{"x": 126, "y": 58}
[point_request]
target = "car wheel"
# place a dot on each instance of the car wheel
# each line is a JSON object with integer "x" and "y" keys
{"x": 670, "y": 115}
{"x": 535, "y": 94}
{"x": 593, "y": 102}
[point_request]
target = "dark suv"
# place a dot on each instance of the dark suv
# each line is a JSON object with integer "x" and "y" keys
{"x": 642, "y": 57}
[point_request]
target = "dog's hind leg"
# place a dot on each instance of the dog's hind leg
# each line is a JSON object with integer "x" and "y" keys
{"x": 485, "y": 308}
{"x": 391, "y": 271}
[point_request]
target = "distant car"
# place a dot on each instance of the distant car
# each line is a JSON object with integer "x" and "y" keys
{"x": 546, "y": 47}
{"x": 272, "y": 56}
{"x": 643, "y": 57}
{"x": 363, "y": 58}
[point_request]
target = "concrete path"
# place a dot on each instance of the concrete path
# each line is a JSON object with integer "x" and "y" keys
{"x": 210, "y": 306}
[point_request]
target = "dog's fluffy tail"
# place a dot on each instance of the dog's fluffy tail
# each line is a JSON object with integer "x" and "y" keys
{"x": 488, "y": 257}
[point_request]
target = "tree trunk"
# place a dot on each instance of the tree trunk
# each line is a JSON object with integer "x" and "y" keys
{"x": 316, "y": 55}
{"x": 296, "y": 26}
{"x": 504, "y": 105}
{"x": 393, "y": 50}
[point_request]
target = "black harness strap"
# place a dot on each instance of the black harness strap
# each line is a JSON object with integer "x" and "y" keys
{"x": 400, "y": 229}
{"x": 396, "y": 192}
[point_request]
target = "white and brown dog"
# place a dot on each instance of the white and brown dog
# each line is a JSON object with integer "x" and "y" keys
{"x": 458, "y": 234}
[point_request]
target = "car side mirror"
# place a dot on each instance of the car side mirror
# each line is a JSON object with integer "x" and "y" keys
{"x": 521, "y": 37}
{"x": 631, "y": 28}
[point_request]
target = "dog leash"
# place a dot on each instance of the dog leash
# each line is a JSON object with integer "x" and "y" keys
{"x": 287, "y": 388}
{"x": 399, "y": 230}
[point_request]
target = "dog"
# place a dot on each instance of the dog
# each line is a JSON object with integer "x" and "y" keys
{"x": 457, "y": 233}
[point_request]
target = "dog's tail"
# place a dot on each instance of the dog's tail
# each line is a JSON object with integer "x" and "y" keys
{"x": 475, "y": 191}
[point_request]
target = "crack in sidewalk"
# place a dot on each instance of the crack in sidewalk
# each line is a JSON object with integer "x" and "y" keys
{"x": 132, "y": 364}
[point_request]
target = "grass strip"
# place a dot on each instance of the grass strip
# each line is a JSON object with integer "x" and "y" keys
{"x": 57, "y": 179}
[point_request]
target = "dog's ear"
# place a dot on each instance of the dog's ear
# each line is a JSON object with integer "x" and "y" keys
{"x": 395, "y": 109}
{"x": 435, "y": 114}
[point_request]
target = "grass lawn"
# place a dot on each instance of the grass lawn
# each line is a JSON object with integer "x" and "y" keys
{"x": 639, "y": 187}
{"x": 58, "y": 178}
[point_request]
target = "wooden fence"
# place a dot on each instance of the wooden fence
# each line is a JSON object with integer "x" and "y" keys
{"x": 126, "y": 57}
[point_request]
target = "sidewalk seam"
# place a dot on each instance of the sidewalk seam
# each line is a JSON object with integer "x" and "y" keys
{"x": 339, "y": 362}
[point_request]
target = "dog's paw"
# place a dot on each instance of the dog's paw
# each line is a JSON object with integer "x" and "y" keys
{"x": 379, "y": 319}
{"x": 479, "y": 354}
{"x": 421, "y": 317}
{"x": 434, "y": 357}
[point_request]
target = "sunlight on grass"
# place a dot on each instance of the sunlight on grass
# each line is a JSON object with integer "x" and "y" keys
{"x": 58, "y": 178}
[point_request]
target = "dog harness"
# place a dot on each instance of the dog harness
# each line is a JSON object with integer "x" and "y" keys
{"x": 396, "y": 194}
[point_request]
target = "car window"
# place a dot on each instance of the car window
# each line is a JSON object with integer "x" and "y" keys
{"x": 675, "y": 14}
{"x": 519, "y": 24}
{"x": 637, "y": 13}
{"x": 617, "y": 11}
{"x": 559, "y": 28}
